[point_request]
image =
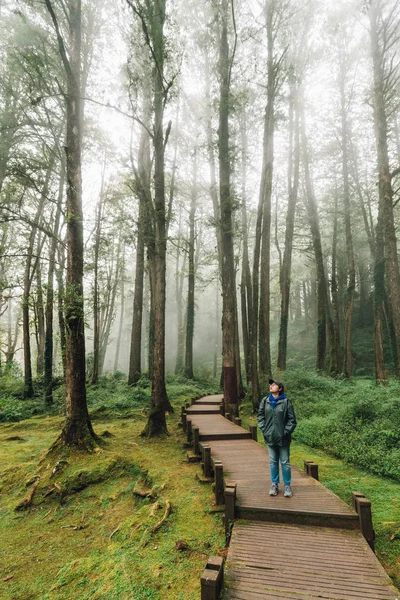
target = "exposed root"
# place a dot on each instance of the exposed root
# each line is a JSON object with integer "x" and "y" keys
{"x": 147, "y": 533}
{"x": 137, "y": 491}
{"x": 27, "y": 501}
{"x": 134, "y": 530}
{"x": 114, "y": 532}
{"x": 154, "y": 508}
{"x": 165, "y": 517}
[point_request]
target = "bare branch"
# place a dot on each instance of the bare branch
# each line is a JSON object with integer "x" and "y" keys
{"x": 60, "y": 40}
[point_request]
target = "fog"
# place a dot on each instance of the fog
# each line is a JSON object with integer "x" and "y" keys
{"x": 315, "y": 45}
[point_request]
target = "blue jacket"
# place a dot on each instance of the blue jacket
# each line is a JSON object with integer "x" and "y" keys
{"x": 277, "y": 424}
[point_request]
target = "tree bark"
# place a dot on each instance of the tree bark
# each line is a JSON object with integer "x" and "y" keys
{"x": 378, "y": 35}
{"x": 48, "y": 345}
{"x": 323, "y": 317}
{"x": 143, "y": 185}
{"x": 96, "y": 312}
{"x": 336, "y": 304}
{"x": 245, "y": 286}
{"x": 156, "y": 423}
{"x": 179, "y": 280}
{"x": 231, "y": 396}
{"x": 121, "y": 316}
{"x": 190, "y": 307}
{"x": 40, "y": 317}
{"x": 351, "y": 270}
{"x": 293, "y": 185}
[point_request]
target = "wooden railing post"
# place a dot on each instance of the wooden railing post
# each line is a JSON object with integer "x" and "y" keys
{"x": 228, "y": 416}
{"x": 363, "y": 509}
{"x": 219, "y": 482}
{"x": 212, "y": 578}
{"x": 238, "y": 421}
{"x": 184, "y": 421}
{"x": 222, "y": 409}
{"x": 189, "y": 431}
{"x": 311, "y": 468}
{"x": 253, "y": 431}
{"x": 207, "y": 461}
{"x": 230, "y": 501}
{"x": 354, "y": 496}
{"x": 196, "y": 440}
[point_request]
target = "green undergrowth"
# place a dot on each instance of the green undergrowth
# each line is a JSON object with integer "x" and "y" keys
{"x": 111, "y": 395}
{"x": 343, "y": 478}
{"x": 352, "y": 420}
{"x": 87, "y": 533}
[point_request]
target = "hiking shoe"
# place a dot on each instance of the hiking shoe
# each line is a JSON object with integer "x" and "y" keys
{"x": 274, "y": 490}
{"x": 288, "y": 492}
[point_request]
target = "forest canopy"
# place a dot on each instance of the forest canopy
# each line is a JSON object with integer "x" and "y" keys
{"x": 207, "y": 188}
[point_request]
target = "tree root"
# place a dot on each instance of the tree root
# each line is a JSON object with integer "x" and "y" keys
{"x": 154, "y": 507}
{"x": 114, "y": 532}
{"x": 142, "y": 493}
{"x": 27, "y": 501}
{"x": 165, "y": 517}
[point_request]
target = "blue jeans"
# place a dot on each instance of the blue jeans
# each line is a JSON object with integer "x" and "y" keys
{"x": 276, "y": 454}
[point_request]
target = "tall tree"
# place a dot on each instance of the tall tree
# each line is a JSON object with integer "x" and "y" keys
{"x": 77, "y": 430}
{"x": 190, "y": 306}
{"x": 229, "y": 315}
{"x": 383, "y": 17}
{"x": 293, "y": 186}
{"x": 152, "y": 19}
{"x": 351, "y": 270}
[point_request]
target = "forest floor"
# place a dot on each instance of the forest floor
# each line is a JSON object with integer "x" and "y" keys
{"x": 91, "y": 537}
{"x": 88, "y": 530}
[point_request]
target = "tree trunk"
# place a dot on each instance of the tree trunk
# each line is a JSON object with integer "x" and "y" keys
{"x": 245, "y": 286}
{"x": 96, "y": 313}
{"x": 77, "y": 430}
{"x": 48, "y": 346}
{"x": 143, "y": 186}
{"x": 28, "y": 382}
{"x": 381, "y": 79}
{"x": 322, "y": 303}
{"x": 334, "y": 289}
{"x": 351, "y": 270}
{"x": 293, "y": 184}
{"x": 231, "y": 395}
{"x": 109, "y": 316}
{"x": 191, "y": 277}
{"x": 121, "y": 316}
{"x": 40, "y": 320}
{"x": 61, "y": 307}
{"x": 156, "y": 423}
{"x": 179, "y": 280}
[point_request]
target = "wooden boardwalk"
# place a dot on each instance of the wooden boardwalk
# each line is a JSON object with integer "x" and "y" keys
{"x": 300, "y": 548}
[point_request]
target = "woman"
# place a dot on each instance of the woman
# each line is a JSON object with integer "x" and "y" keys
{"x": 277, "y": 421}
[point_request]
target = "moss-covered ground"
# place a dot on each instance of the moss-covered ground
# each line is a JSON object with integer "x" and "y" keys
{"x": 87, "y": 533}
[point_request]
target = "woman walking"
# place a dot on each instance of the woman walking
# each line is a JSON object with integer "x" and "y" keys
{"x": 277, "y": 421}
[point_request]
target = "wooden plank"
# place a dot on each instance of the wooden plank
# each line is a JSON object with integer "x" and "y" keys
{"x": 212, "y": 399}
{"x": 285, "y": 561}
